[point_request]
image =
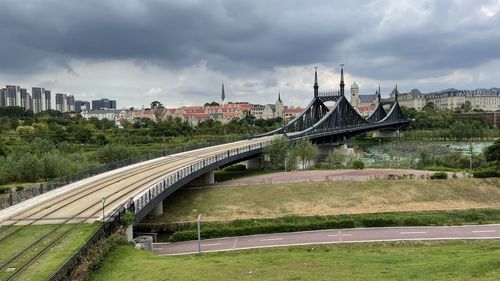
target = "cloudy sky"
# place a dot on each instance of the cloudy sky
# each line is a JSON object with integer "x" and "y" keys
{"x": 180, "y": 51}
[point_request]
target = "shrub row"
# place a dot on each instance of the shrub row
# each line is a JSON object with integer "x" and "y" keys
{"x": 187, "y": 231}
{"x": 439, "y": 176}
{"x": 493, "y": 172}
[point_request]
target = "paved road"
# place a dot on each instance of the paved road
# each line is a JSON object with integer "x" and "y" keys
{"x": 82, "y": 199}
{"x": 491, "y": 231}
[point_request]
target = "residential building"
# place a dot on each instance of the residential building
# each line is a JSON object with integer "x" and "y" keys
{"x": 26, "y": 100}
{"x": 61, "y": 102}
{"x": 103, "y": 104}
{"x": 46, "y": 101}
{"x": 70, "y": 103}
{"x": 37, "y": 97}
{"x": 12, "y": 95}
{"x": 82, "y": 106}
{"x": 2, "y": 97}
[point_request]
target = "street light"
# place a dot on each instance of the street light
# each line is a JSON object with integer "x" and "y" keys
{"x": 103, "y": 201}
{"x": 470, "y": 162}
{"x": 199, "y": 233}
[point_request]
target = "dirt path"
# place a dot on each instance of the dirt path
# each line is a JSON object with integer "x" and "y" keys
{"x": 331, "y": 175}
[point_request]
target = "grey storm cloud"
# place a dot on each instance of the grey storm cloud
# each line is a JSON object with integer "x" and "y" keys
{"x": 375, "y": 39}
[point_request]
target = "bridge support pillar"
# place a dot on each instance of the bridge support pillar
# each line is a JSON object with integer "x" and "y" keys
{"x": 158, "y": 210}
{"x": 205, "y": 179}
{"x": 130, "y": 233}
{"x": 386, "y": 134}
{"x": 252, "y": 164}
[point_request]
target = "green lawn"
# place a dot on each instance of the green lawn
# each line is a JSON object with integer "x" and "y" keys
{"x": 52, "y": 259}
{"x": 457, "y": 260}
{"x": 329, "y": 198}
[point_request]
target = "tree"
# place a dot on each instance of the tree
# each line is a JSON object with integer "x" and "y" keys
{"x": 276, "y": 152}
{"x": 26, "y": 132}
{"x": 156, "y": 105}
{"x": 335, "y": 159}
{"x": 112, "y": 153}
{"x": 492, "y": 152}
{"x": 305, "y": 150}
{"x": 467, "y": 106}
{"x": 211, "y": 104}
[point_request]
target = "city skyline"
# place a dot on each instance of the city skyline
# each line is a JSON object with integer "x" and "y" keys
{"x": 134, "y": 52}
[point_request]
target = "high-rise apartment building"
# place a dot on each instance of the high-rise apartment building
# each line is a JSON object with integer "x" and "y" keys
{"x": 2, "y": 97}
{"x": 46, "y": 100}
{"x": 12, "y": 95}
{"x": 103, "y": 104}
{"x": 61, "y": 102}
{"x": 70, "y": 103}
{"x": 37, "y": 94}
{"x": 82, "y": 106}
{"x": 25, "y": 99}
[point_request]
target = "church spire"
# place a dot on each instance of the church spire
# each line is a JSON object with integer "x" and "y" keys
{"x": 223, "y": 94}
{"x": 379, "y": 94}
{"x": 279, "y": 96}
{"x": 342, "y": 84}
{"x": 396, "y": 93}
{"x": 316, "y": 86}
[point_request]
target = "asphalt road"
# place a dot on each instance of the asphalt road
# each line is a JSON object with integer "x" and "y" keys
{"x": 355, "y": 235}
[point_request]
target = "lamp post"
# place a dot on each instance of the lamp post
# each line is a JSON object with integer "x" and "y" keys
{"x": 199, "y": 233}
{"x": 103, "y": 201}
{"x": 470, "y": 162}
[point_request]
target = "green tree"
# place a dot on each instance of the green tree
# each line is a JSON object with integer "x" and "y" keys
{"x": 112, "y": 153}
{"x": 276, "y": 152}
{"x": 492, "y": 152}
{"x": 26, "y": 132}
{"x": 335, "y": 159}
{"x": 305, "y": 150}
{"x": 156, "y": 105}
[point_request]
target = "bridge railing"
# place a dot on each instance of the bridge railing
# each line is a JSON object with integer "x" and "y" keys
{"x": 143, "y": 198}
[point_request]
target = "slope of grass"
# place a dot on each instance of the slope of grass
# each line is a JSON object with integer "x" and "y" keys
{"x": 329, "y": 198}
{"x": 458, "y": 260}
{"x": 53, "y": 258}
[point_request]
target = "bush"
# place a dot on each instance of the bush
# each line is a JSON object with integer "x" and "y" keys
{"x": 236, "y": 168}
{"x": 487, "y": 173}
{"x": 4, "y": 189}
{"x": 187, "y": 231}
{"x": 358, "y": 165}
{"x": 439, "y": 176}
{"x": 19, "y": 188}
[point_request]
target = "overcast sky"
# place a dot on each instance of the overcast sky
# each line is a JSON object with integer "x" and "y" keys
{"x": 180, "y": 51}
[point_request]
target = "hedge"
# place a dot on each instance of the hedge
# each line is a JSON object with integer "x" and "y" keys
{"x": 487, "y": 173}
{"x": 187, "y": 231}
{"x": 439, "y": 176}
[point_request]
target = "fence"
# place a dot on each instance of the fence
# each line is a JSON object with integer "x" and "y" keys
{"x": 21, "y": 195}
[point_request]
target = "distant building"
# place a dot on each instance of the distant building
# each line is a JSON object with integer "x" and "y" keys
{"x": 37, "y": 97}
{"x": 46, "y": 102}
{"x": 26, "y": 100}
{"x": 82, "y": 106}
{"x": 274, "y": 110}
{"x": 2, "y": 97}
{"x": 355, "y": 100}
{"x": 61, "y": 102}
{"x": 103, "y": 104}
{"x": 70, "y": 103}
{"x": 450, "y": 99}
{"x": 12, "y": 95}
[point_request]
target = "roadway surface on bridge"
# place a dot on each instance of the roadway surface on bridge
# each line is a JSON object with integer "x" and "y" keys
{"x": 82, "y": 200}
{"x": 354, "y": 235}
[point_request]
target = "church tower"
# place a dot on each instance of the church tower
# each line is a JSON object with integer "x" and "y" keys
{"x": 354, "y": 95}
{"x": 280, "y": 108}
{"x": 223, "y": 95}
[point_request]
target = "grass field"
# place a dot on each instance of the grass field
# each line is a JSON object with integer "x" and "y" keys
{"x": 329, "y": 198}
{"x": 52, "y": 259}
{"x": 457, "y": 260}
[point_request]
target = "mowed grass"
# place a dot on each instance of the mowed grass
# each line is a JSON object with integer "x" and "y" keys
{"x": 329, "y": 198}
{"x": 53, "y": 258}
{"x": 457, "y": 260}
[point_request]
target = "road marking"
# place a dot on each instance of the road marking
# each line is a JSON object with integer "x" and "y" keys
{"x": 412, "y": 232}
{"x": 213, "y": 244}
{"x": 271, "y": 239}
{"x": 483, "y": 231}
{"x": 346, "y": 234}
{"x": 333, "y": 235}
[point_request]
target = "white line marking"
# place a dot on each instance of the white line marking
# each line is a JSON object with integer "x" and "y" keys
{"x": 271, "y": 239}
{"x": 346, "y": 234}
{"x": 213, "y": 244}
{"x": 333, "y": 235}
{"x": 412, "y": 232}
{"x": 483, "y": 231}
